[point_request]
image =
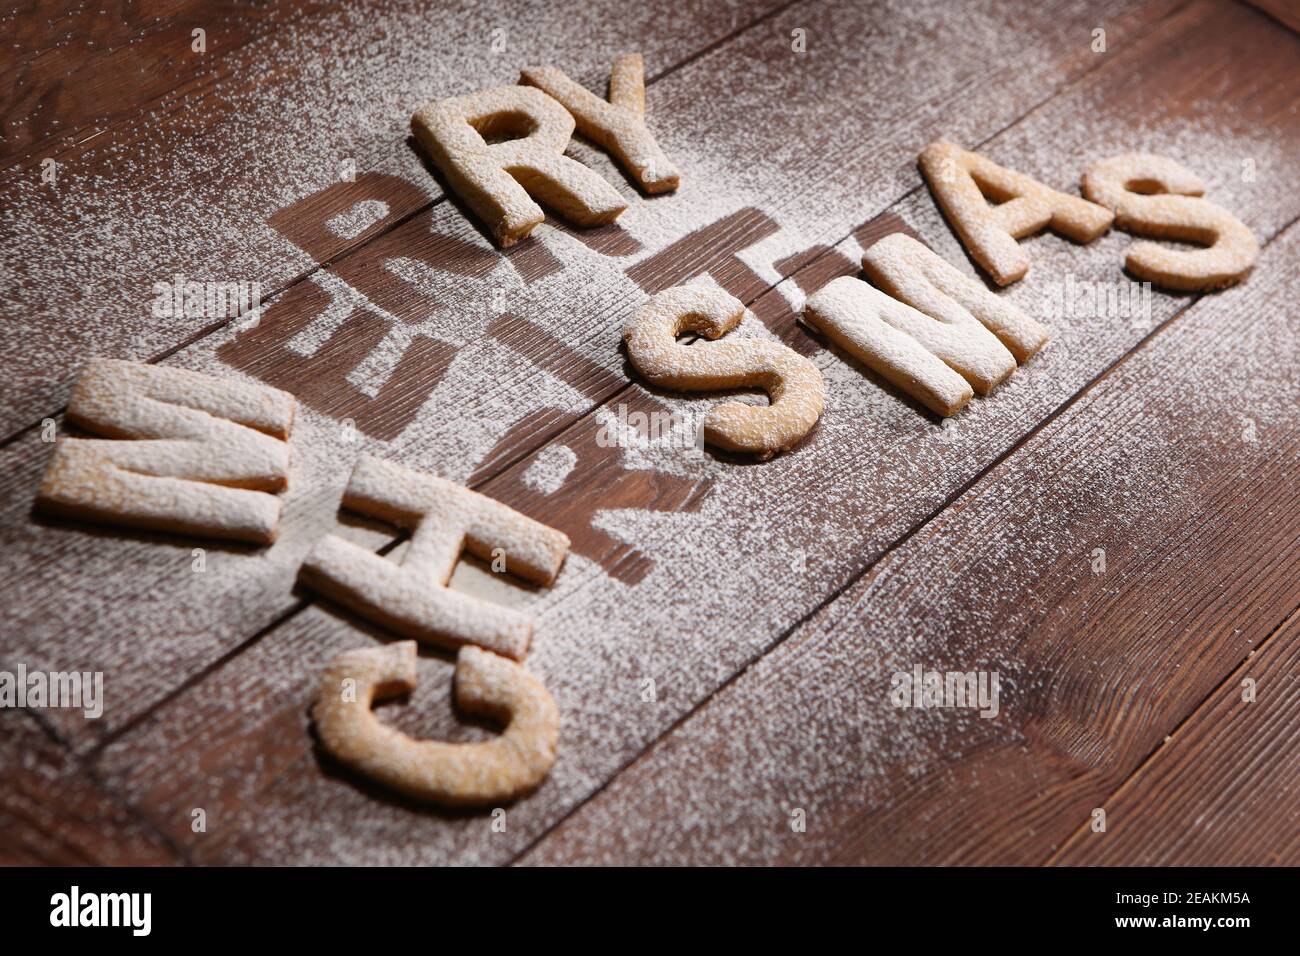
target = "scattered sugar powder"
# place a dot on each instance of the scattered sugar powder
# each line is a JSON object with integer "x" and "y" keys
{"x": 550, "y": 468}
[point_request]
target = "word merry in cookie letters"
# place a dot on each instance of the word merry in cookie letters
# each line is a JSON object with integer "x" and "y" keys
{"x": 74, "y": 908}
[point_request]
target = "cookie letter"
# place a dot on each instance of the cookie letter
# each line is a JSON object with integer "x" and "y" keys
{"x": 444, "y": 519}
{"x": 207, "y": 452}
{"x": 619, "y": 125}
{"x": 1156, "y": 196}
{"x": 961, "y": 180}
{"x": 954, "y": 335}
{"x": 793, "y": 383}
{"x": 444, "y": 773}
{"x": 496, "y": 179}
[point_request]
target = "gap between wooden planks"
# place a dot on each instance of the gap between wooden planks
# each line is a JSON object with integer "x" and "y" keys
{"x": 151, "y": 580}
{"x": 144, "y": 571}
{"x": 1228, "y": 768}
{"x": 1100, "y": 672}
{"x": 321, "y": 632}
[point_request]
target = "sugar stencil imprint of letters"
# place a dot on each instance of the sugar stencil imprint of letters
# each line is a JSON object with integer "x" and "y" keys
{"x": 181, "y": 452}
{"x": 496, "y": 179}
{"x": 948, "y": 337}
{"x": 444, "y": 519}
{"x": 618, "y": 125}
{"x": 960, "y": 180}
{"x": 793, "y": 383}
{"x": 452, "y": 774}
{"x": 1159, "y": 197}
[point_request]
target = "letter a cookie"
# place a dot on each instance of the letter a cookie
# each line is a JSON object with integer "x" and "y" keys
{"x": 1159, "y": 197}
{"x": 444, "y": 773}
{"x": 181, "y": 452}
{"x": 960, "y": 181}
{"x": 495, "y": 179}
{"x": 445, "y": 519}
{"x": 618, "y": 125}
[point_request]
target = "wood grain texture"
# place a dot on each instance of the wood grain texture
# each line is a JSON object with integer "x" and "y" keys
{"x": 878, "y": 468}
{"x": 422, "y": 343}
{"x": 76, "y": 68}
{"x": 1169, "y": 463}
{"x": 189, "y": 185}
{"x": 549, "y": 357}
{"x": 51, "y": 813}
{"x": 1223, "y": 790}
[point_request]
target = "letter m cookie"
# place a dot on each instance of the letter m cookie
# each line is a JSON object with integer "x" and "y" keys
{"x": 180, "y": 452}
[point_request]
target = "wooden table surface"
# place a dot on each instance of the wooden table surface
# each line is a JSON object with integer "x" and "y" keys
{"x": 722, "y": 639}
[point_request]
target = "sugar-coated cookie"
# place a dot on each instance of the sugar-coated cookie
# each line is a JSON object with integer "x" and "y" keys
{"x": 496, "y": 179}
{"x": 182, "y": 452}
{"x": 444, "y": 519}
{"x": 1159, "y": 197}
{"x": 961, "y": 181}
{"x": 618, "y": 125}
{"x": 948, "y": 338}
{"x": 913, "y": 273}
{"x": 793, "y": 383}
{"x": 450, "y": 774}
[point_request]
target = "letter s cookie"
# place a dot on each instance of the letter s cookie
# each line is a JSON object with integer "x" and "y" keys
{"x": 1159, "y": 197}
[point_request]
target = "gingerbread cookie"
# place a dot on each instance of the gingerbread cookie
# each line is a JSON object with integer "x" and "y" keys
{"x": 1159, "y": 197}
{"x": 181, "y": 452}
{"x": 961, "y": 181}
{"x": 953, "y": 339}
{"x": 495, "y": 179}
{"x": 444, "y": 518}
{"x": 793, "y": 383}
{"x": 618, "y": 126}
{"x": 444, "y": 773}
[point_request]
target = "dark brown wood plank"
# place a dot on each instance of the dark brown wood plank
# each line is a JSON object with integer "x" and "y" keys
{"x": 1222, "y": 790}
{"x": 523, "y": 367}
{"x": 670, "y": 594}
{"x": 52, "y": 813}
{"x": 1285, "y": 12}
{"x": 1172, "y": 464}
{"x": 73, "y": 70}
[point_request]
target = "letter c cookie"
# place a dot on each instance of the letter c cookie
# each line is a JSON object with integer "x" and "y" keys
{"x": 445, "y": 773}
